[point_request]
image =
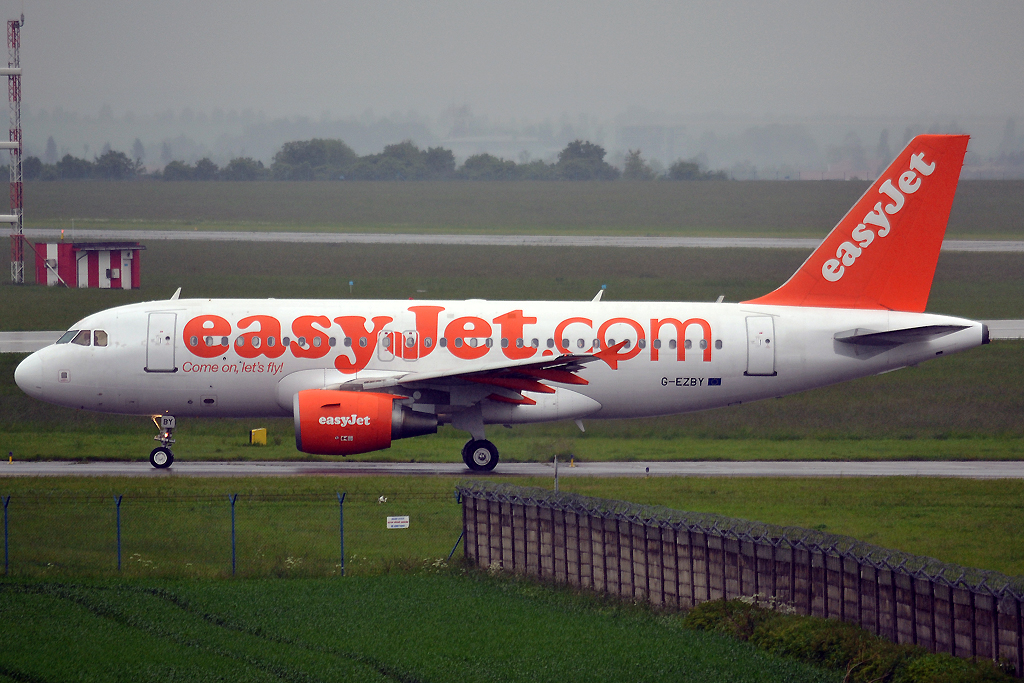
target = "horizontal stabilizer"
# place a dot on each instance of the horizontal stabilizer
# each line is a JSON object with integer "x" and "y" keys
{"x": 896, "y": 337}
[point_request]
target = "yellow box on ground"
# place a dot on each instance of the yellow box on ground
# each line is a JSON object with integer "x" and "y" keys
{"x": 258, "y": 437}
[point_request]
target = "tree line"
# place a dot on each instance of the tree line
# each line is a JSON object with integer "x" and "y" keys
{"x": 326, "y": 159}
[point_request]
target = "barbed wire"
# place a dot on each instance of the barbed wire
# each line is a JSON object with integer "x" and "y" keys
{"x": 979, "y": 581}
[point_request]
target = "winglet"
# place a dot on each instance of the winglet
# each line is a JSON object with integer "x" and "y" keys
{"x": 882, "y": 254}
{"x": 177, "y": 293}
{"x": 611, "y": 355}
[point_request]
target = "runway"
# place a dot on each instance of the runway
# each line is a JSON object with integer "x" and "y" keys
{"x": 484, "y": 240}
{"x": 823, "y": 469}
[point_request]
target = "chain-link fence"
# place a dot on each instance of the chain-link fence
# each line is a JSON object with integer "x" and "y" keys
{"x": 679, "y": 559}
{"x": 249, "y": 535}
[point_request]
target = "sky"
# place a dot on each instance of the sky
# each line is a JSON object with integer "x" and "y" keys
{"x": 518, "y": 60}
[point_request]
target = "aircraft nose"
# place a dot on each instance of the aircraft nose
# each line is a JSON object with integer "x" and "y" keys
{"x": 29, "y": 375}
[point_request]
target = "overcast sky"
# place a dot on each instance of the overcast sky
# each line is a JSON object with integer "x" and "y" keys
{"x": 525, "y": 59}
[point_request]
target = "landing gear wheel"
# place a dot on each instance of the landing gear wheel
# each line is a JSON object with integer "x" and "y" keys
{"x": 480, "y": 455}
{"x": 161, "y": 457}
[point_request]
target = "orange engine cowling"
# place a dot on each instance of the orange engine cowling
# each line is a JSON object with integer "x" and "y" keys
{"x": 329, "y": 422}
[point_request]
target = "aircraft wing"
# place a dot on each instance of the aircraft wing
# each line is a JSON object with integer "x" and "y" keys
{"x": 506, "y": 380}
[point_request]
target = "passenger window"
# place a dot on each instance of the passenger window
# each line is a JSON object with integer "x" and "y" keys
{"x": 671, "y": 343}
{"x": 67, "y": 336}
{"x": 688, "y": 344}
{"x": 718, "y": 343}
{"x": 551, "y": 343}
{"x": 82, "y": 338}
{"x": 99, "y": 338}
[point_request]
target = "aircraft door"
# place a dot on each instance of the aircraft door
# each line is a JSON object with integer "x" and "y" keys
{"x": 160, "y": 343}
{"x": 409, "y": 341}
{"x": 760, "y": 345}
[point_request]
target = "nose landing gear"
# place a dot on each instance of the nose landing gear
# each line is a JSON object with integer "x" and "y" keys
{"x": 161, "y": 457}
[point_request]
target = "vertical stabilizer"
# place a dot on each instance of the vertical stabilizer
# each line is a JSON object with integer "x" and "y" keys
{"x": 883, "y": 253}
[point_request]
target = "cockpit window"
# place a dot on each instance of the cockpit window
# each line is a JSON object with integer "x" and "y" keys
{"x": 67, "y": 336}
{"x": 99, "y": 338}
{"x": 82, "y": 338}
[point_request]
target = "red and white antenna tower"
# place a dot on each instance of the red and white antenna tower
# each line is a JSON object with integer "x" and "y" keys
{"x": 13, "y": 73}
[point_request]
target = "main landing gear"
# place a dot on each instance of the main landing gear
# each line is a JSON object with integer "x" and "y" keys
{"x": 480, "y": 455}
{"x": 161, "y": 457}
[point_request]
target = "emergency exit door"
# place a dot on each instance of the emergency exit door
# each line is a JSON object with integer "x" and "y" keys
{"x": 160, "y": 343}
{"x": 760, "y": 345}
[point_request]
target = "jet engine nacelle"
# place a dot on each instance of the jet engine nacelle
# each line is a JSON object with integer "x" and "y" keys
{"x": 330, "y": 422}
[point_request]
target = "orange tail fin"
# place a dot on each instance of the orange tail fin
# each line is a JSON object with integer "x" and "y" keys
{"x": 883, "y": 253}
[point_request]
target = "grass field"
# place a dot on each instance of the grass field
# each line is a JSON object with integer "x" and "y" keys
{"x": 407, "y": 628}
{"x": 806, "y": 209}
{"x": 395, "y": 615}
{"x": 180, "y": 527}
{"x": 983, "y": 285}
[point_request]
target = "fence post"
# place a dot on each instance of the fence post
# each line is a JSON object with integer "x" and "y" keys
{"x": 117, "y": 503}
{"x": 341, "y": 527}
{"x": 232, "y": 498}
{"x": 7, "y": 563}
{"x": 457, "y": 541}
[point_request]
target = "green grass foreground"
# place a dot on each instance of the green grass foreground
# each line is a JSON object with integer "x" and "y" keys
{"x": 419, "y": 627}
{"x": 864, "y": 657}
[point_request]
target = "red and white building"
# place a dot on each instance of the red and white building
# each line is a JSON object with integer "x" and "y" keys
{"x": 103, "y": 265}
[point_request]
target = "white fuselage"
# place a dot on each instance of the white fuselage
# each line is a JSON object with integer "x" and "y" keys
{"x": 681, "y": 356}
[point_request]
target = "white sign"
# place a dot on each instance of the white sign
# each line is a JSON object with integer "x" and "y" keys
{"x": 398, "y": 522}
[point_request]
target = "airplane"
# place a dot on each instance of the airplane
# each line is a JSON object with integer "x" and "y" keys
{"x": 357, "y": 374}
